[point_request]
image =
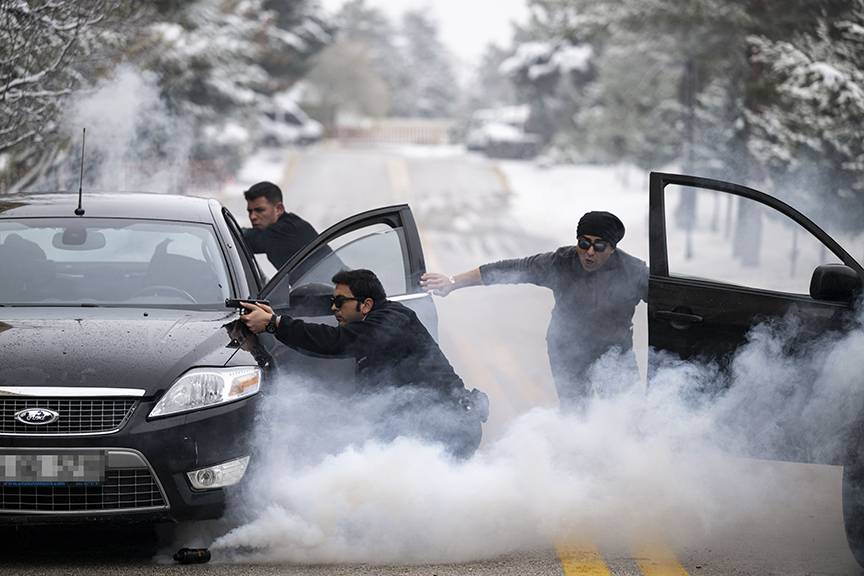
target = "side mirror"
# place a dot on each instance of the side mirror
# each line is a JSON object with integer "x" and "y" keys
{"x": 311, "y": 299}
{"x": 835, "y": 282}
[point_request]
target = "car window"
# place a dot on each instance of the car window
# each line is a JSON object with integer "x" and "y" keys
{"x": 731, "y": 239}
{"x": 110, "y": 261}
{"x": 377, "y": 247}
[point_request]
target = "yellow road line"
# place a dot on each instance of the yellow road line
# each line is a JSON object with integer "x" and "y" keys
{"x": 288, "y": 172}
{"x": 583, "y": 559}
{"x": 400, "y": 180}
{"x": 502, "y": 177}
{"x": 656, "y": 559}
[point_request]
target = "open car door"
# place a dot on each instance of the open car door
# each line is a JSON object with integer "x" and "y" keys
{"x": 385, "y": 241}
{"x": 725, "y": 258}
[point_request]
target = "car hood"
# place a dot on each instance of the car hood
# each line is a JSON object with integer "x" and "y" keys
{"x": 109, "y": 347}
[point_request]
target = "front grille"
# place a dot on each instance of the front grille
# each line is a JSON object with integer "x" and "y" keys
{"x": 77, "y": 415}
{"x": 123, "y": 489}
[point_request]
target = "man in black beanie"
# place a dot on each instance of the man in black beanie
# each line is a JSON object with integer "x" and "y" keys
{"x": 596, "y": 288}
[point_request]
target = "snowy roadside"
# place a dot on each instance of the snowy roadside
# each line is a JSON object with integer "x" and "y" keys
{"x": 551, "y": 200}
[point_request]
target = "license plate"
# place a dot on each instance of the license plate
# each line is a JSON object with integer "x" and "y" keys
{"x": 51, "y": 469}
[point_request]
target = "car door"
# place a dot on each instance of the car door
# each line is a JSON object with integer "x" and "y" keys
{"x": 385, "y": 241}
{"x": 724, "y": 257}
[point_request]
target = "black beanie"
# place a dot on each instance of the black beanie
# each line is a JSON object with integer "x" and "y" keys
{"x": 603, "y": 224}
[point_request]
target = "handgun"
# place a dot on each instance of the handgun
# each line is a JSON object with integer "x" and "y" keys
{"x": 235, "y": 302}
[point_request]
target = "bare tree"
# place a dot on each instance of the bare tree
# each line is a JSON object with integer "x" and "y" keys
{"x": 48, "y": 49}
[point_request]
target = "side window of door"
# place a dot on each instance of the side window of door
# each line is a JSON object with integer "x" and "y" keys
{"x": 377, "y": 247}
{"x": 735, "y": 240}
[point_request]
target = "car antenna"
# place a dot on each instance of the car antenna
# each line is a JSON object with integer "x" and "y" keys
{"x": 80, "y": 211}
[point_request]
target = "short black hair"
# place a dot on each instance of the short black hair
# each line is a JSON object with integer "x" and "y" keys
{"x": 266, "y": 189}
{"x": 363, "y": 284}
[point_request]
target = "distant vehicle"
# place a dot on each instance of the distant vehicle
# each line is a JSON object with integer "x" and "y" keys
{"x": 500, "y": 133}
{"x": 128, "y": 391}
{"x": 284, "y": 122}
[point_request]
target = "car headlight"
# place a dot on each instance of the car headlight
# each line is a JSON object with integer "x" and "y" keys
{"x": 205, "y": 387}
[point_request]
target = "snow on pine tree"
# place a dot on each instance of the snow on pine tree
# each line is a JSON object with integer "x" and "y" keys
{"x": 810, "y": 135}
{"x": 49, "y": 49}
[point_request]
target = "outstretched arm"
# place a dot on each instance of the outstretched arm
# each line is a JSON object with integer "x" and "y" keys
{"x": 442, "y": 285}
{"x": 317, "y": 338}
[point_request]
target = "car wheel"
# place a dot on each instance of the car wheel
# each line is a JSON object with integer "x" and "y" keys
{"x": 853, "y": 496}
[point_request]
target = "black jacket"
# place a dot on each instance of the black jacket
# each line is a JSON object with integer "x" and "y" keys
{"x": 391, "y": 347}
{"x": 593, "y": 310}
{"x": 282, "y": 239}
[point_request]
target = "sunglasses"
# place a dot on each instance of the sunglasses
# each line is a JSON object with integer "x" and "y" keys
{"x": 599, "y": 245}
{"x": 339, "y": 301}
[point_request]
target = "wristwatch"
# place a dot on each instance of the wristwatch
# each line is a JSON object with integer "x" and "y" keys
{"x": 271, "y": 325}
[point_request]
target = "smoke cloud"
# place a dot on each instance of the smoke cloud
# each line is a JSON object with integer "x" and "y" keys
{"x": 632, "y": 461}
{"x": 134, "y": 143}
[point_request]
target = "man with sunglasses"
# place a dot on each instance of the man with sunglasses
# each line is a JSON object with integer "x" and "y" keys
{"x": 596, "y": 289}
{"x": 392, "y": 348}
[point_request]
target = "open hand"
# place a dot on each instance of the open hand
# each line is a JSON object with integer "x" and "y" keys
{"x": 436, "y": 283}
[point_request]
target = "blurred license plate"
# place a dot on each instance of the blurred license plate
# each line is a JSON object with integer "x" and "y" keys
{"x": 54, "y": 469}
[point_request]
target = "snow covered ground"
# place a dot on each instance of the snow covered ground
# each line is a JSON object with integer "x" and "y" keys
{"x": 551, "y": 200}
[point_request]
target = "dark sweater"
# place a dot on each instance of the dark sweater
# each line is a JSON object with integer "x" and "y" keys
{"x": 282, "y": 239}
{"x": 593, "y": 310}
{"x": 391, "y": 347}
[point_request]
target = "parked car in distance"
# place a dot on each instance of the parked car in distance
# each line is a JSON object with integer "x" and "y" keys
{"x": 500, "y": 133}
{"x": 128, "y": 391}
{"x": 283, "y": 122}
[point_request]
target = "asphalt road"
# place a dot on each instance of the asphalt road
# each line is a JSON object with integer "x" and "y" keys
{"x": 495, "y": 339}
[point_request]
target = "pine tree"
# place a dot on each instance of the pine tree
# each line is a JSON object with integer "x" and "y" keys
{"x": 809, "y": 134}
{"x": 430, "y": 88}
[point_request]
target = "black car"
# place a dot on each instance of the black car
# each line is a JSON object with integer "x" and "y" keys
{"x": 724, "y": 258}
{"x": 128, "y": 390}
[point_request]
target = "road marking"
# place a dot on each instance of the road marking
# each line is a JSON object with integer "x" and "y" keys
{"x": 288, "y": 172}
{"x": 583, "y": 559}
{"x": 502, "y": 177}
{"x": 657, "y": 559}
{"x": 400, "y": 180}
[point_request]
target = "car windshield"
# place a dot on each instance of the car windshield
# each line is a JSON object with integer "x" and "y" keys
{"x": 117, "y": 262}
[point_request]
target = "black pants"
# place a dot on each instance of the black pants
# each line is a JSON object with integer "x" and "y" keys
{"x": 576, "y": 384}
{"x": 432, "y": 419}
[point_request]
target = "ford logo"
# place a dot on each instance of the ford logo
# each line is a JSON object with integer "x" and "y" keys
{"x": 36, "y": 416}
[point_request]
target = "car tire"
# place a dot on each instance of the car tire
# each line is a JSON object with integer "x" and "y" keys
{"x": 853, "y": 496}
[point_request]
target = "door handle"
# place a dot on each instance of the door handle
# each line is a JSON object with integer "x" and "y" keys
{"x": 678, "y": 319}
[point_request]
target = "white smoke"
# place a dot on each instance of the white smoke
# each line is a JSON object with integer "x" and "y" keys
{"x": 133, "y": 142}
{"x": 631, "y": 461}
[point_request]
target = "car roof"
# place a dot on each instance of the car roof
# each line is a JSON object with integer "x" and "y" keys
{"x": 118, "y": 205}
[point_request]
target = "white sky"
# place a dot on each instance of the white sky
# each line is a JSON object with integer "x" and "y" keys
{"x": 465, "y": 26}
